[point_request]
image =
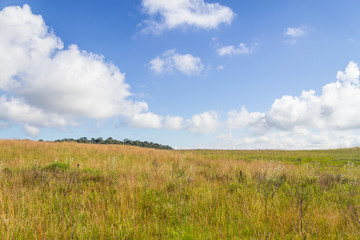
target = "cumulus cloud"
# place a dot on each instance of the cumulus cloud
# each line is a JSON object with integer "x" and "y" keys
{"x": 206, "y": 122}
{"x": 174, "y": 123}
{"x": 243, "y": 119}
{"x": 351, "y": 74}
{"x": 31, "y": 130}
{"x": 146, "y": 120}
{"x": 336, "y": 108}
{"x": 241, "y": 49}
{"x": 295, "y": 33}
{"x": 309, "y": 118}
{"x": 171, "y": 61}
{"x": 44, "y": 84}
{"x": 14, "y": 110}
{"x": 166, "y": 14}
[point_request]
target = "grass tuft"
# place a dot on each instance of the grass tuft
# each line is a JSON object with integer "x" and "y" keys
{"x": 57, "y": 166}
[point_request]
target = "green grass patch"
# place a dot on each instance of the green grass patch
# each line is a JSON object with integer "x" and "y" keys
{"x": 57, "y": 166}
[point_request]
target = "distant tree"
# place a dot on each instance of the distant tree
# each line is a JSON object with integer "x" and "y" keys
{"x": 110, "y": 140}
{"x": 82, "y": 140}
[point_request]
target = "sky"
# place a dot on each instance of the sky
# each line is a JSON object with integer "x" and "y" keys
{"x": 219, "y": 74}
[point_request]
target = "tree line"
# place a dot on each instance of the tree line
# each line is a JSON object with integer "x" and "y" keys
{"x": 110, "y": 140}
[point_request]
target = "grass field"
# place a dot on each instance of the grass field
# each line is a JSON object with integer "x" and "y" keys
{"x": 83, "y": 191}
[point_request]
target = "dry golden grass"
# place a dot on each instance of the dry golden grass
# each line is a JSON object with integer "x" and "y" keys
{"x": 83, "y": 191}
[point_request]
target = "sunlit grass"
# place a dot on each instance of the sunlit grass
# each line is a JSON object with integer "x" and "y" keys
{"x": 84, "y": 191}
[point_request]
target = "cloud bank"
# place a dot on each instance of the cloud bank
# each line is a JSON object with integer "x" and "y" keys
{"x": 336, "y": 108}
{"x": 166, "y": 14}
{"x": 330, "y": 119}
{"x": 43, "y": 84}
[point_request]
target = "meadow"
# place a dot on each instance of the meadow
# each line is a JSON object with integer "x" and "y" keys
{"x": 85, "y": 191}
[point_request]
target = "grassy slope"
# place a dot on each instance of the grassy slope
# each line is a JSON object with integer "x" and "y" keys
{"x": 69, "y": 190}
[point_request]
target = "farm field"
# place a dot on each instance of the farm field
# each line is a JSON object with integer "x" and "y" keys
{"x": 84, "y": 191}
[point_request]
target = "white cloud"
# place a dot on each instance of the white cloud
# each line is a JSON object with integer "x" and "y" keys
{"x": 165, "y": 14}
{"x": 241, "y": 49}
{"x": 245, "y": 119}
{"x": 14, "y": 110}
{"x": 206, "y": 122}
{"x": 173, "y": 123}
{"x": 330, "y": 119}
{"x": 220, "y": 67}
{"x": 31, "y": 130}
{"x": 295, "y": 33}
{"x": 336, "y": 108}
{"x": 146, "y": 120}
{"x": 298, "y": 138}
{"x": 351, "y": 74}
{"x": 44, "y": 84}
{"x": 157, "y": 65}
{"x": 171, "y": 61}
{"x": 187, "y": 64}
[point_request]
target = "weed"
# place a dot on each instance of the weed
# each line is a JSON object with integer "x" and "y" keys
{"x": 351, "y": 209}
{"x": 299, "y": 193}
{"x": 241, "y": 177}
{"x": 178, "y": 170}
{"x": 268, "y": 183}
{"x": 329, "y": 180}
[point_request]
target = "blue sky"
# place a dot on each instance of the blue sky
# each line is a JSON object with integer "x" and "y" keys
{"x": 187, "y": 73}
